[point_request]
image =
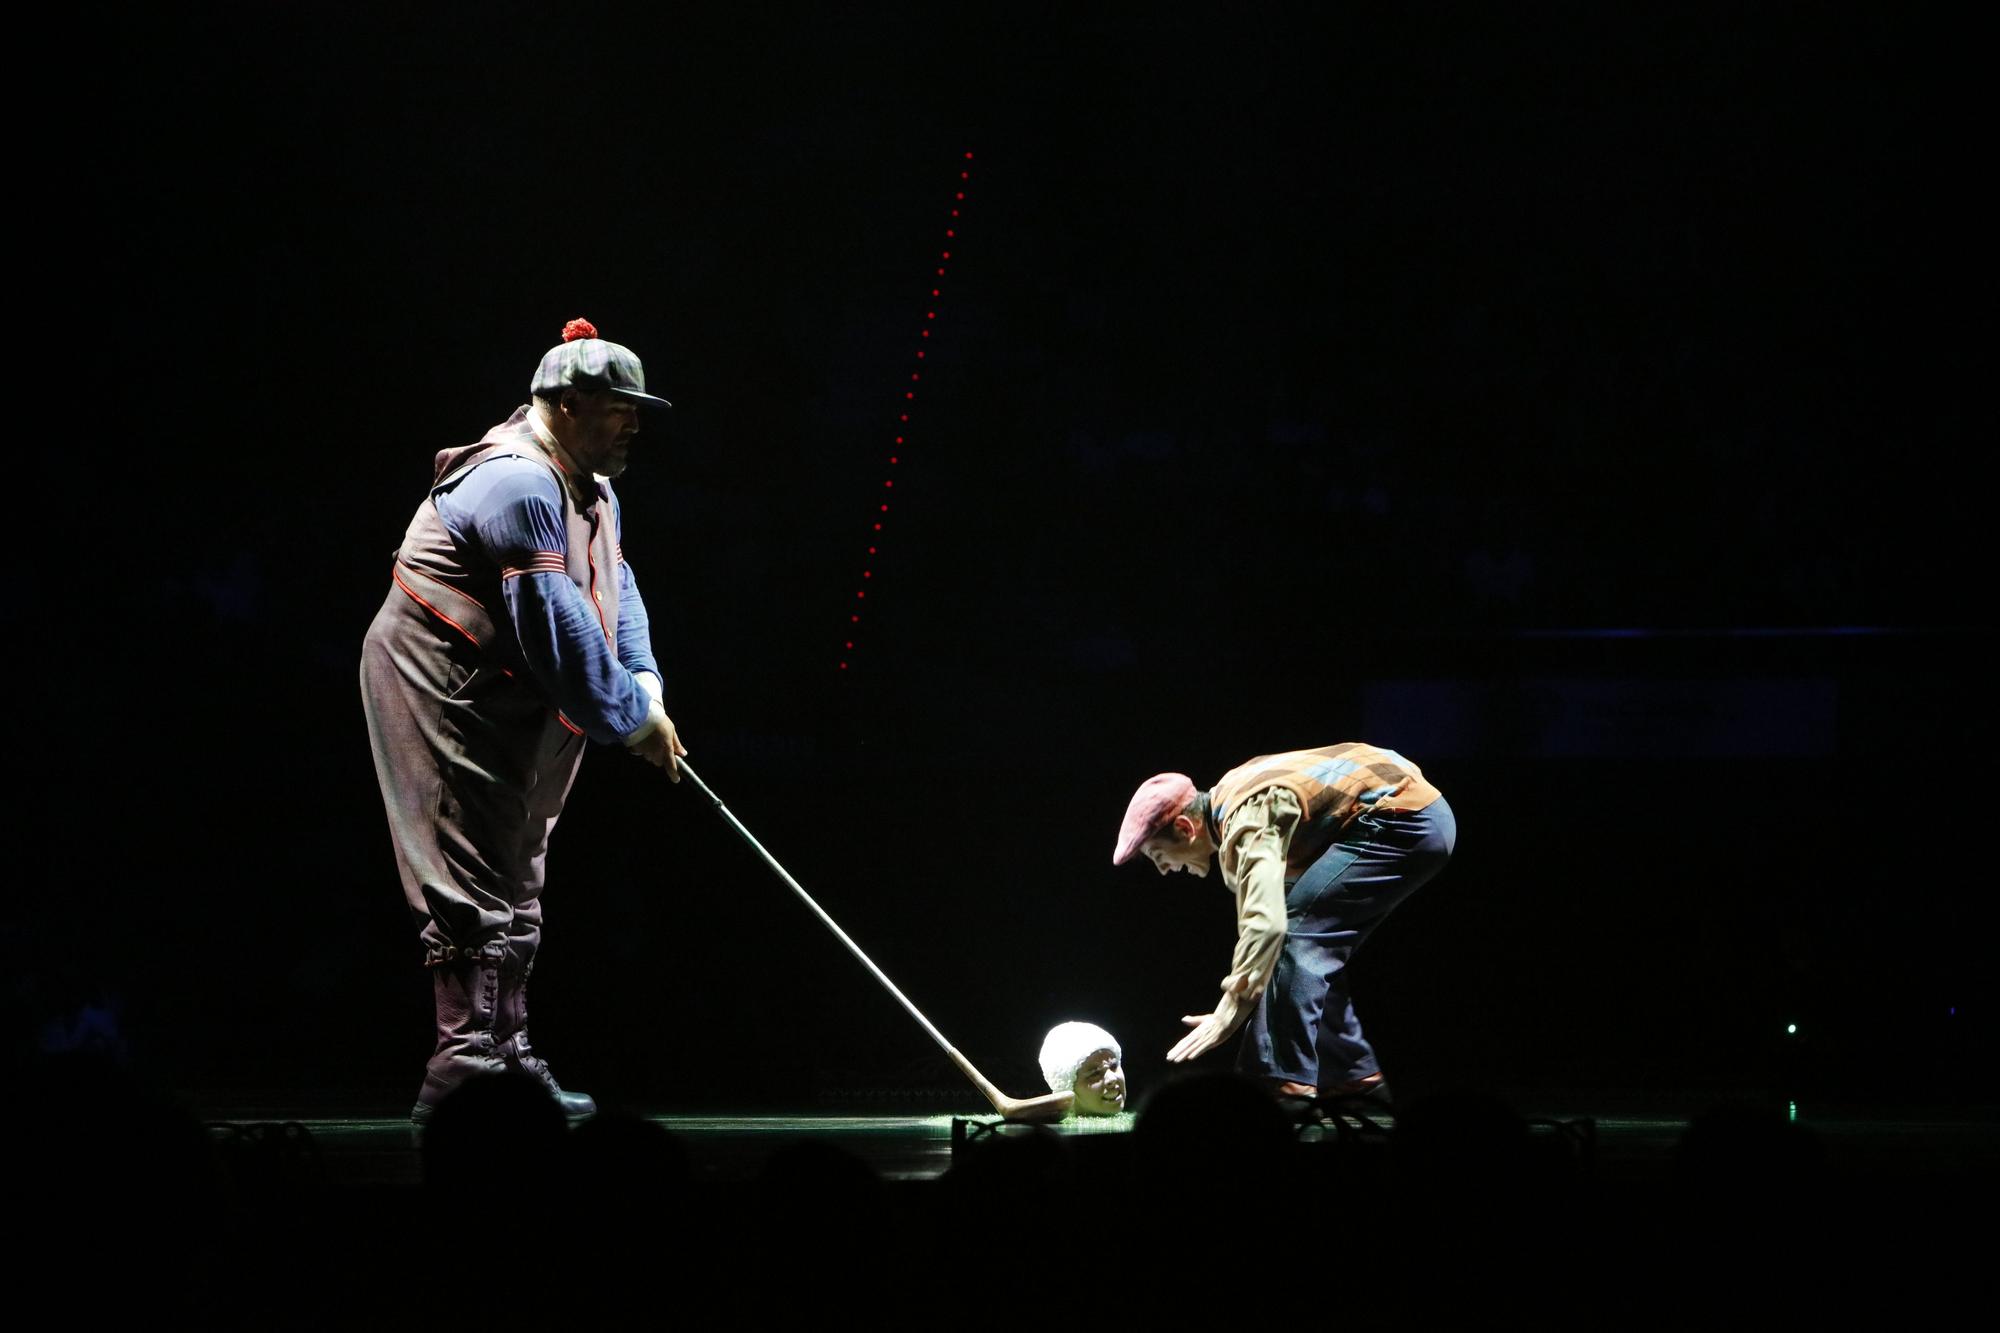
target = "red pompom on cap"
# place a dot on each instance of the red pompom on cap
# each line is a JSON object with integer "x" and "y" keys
{"x": 578, "y": 328}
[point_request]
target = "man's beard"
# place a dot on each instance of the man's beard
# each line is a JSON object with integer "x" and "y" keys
{"x": 615, "y": 460}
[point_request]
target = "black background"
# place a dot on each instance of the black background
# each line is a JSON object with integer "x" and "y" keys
{"x": 1296, "y": 369}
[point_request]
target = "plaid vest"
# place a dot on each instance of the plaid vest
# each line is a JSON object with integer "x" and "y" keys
{"x": 1334, "y": 784}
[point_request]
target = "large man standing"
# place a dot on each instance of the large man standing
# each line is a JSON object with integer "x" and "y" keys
{"x": 513, "y": 629}
{"x": 1317, "y": 846}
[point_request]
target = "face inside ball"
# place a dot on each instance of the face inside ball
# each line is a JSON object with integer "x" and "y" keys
{"x": 1100, "y": 1083}
{"x": 1084, "y": 1059}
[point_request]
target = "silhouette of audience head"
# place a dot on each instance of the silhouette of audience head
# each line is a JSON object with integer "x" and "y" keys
{"x": 502, "y": 1128}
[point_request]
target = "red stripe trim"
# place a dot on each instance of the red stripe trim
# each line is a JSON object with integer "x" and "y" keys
{"x": 574, "y": 729}
{"x": 432, "y": 609}
{"x": 456, "y": 592}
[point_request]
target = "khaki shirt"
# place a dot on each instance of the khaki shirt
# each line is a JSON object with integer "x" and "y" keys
{"x": 1252, "y": 853}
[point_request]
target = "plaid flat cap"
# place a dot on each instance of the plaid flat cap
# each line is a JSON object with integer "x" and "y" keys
{"x": 587, "y": 361}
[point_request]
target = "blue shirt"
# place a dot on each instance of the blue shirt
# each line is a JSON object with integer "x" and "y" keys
{"x": 511, "y": 511}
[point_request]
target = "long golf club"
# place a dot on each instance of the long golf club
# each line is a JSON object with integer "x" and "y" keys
{"x": 1049, "y": 1106}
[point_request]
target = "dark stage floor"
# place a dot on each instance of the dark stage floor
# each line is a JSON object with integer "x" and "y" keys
{"x": 320, "y": 1216}
{"x": 1624, "y": 1141}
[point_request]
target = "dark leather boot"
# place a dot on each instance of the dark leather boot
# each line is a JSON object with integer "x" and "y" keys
{"x": 466, "y": 987}
{"x": 512, "y": 1031}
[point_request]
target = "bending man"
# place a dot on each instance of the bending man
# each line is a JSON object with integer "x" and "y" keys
{"x": 1317, "y": 846}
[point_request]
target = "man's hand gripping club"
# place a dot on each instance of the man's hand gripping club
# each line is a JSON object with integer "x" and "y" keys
{"x": 656, "y": 741}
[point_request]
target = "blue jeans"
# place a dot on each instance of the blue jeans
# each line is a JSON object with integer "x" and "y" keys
{"x": 1304, "y": 1029}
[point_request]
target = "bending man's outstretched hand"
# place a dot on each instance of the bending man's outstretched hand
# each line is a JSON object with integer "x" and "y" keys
{"x": 1210, "y": 1030}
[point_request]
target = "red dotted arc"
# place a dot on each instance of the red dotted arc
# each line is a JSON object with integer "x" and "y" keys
{"x": 902, "y": 436}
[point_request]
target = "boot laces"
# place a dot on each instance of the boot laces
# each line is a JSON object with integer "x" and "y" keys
{"x": 525, "y": 1059}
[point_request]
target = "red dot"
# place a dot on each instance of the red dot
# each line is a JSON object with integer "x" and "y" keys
{"x": 934, "y": 291}
{"x": 909, "y": 395}
{"x": 954, "y": 212}
{"x": 843, "y": 666}
{"x": 850, "y": 643}
{"x": 871, "y": 550}
{"x": 930, "y": 314}
{"x": 885, "y": 509}
{"x": 899, "y": 439}
{"x": 892, "y": 458}
{"x": 888, "y": 483}
{"x": 968, "y": 157}
{"x": 905, "y": 416}
{"x": 920, "y": 355}
{"x": 927, "y": 333}
{"x": 949, "y": 232}
{"x": 859, "y": 593}
{"x": 965, "y": 175}
{"x": 867, "y": 574}
{"x": 945, "y": 255}
{"x": 915, "y": 376}
{"x": 854, "y": 620}
{"x": 940, "y": 273}
{"x": 961, "y": 194}
{"x": 878, "y": 526}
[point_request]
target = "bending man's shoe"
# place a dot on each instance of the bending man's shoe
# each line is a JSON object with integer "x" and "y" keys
{"x": 1362, "y": 1094}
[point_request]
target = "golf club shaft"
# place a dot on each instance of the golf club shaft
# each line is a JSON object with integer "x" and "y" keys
{"x": 833, "y": 926}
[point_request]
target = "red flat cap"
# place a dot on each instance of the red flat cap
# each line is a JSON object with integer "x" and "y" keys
{"x": 1158, "y": 800}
